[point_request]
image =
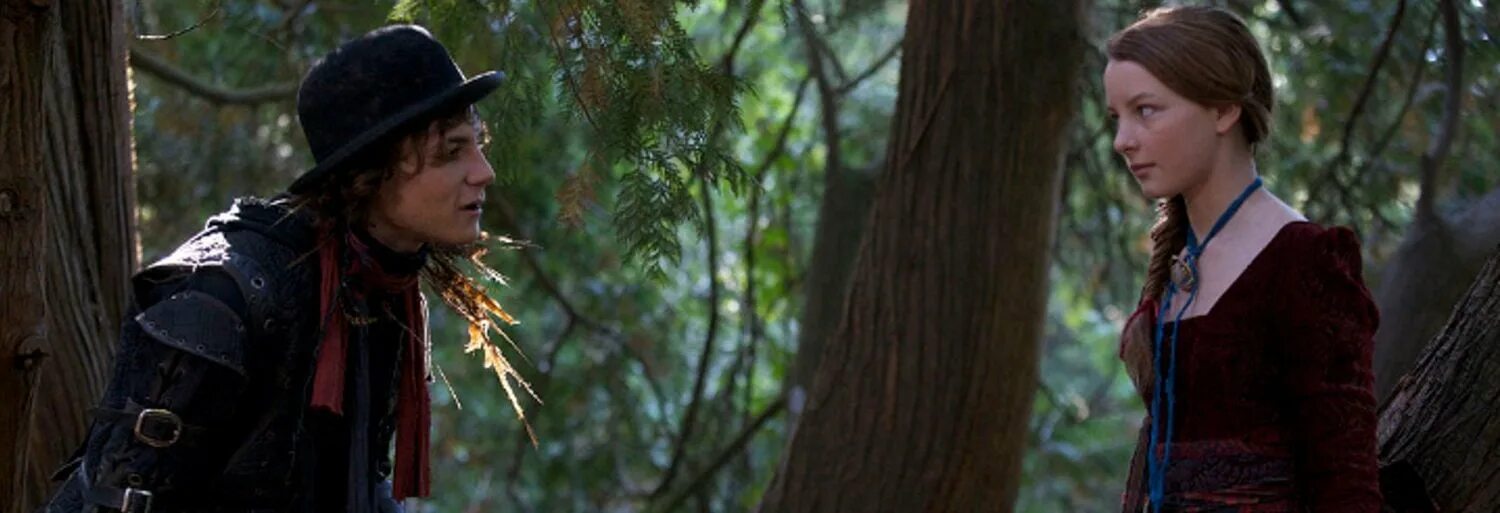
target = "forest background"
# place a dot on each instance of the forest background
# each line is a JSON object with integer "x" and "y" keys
{"x": 699, "y": 185}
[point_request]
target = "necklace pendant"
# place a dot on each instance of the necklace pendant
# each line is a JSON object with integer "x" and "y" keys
{"x": 1183, "y": 275}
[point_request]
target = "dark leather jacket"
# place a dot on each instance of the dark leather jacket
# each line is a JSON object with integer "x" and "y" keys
{"x": 207, "y": 407}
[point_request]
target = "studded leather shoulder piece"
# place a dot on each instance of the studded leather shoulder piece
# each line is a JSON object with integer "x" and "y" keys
{"x": 198, "y": 324}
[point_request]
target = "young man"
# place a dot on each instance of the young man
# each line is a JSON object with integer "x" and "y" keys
{"x": 267, "y": 364}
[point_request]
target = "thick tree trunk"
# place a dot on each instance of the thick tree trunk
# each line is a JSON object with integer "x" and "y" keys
{"x": 922, "y": 398}
{"x": 88, "y": 165}
{"x": 66, "y": 211}
{"x": 26, "y": 29}
{"x": 842, "y": 219}
{"x": 1427, "y": 275}
{"x": 1440, "y": 431}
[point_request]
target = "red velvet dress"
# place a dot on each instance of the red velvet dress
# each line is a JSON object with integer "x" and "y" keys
{"x": 1274, "y": 397}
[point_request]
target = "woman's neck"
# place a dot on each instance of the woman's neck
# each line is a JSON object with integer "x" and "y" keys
{"x": 1209, "y": 200}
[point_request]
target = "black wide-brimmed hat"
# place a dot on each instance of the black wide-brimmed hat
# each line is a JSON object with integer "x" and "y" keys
{"x": 371, "y": 87}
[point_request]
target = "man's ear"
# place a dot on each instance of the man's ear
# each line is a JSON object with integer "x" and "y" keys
{"x": 1227, "y": 117}
{"x": 410, "y": 159}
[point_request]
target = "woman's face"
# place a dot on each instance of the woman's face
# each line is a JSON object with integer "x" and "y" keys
{"x": 1168, "y": 141}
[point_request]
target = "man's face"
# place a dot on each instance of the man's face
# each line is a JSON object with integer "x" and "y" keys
{"x": 437, "y": 198}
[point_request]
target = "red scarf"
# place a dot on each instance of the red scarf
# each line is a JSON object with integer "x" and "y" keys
{"x": 413, "y": 406}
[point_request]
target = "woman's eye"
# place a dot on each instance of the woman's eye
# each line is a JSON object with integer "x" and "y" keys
{"x": 1146, "y": 110}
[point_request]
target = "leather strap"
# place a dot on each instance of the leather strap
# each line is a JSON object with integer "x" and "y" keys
{"x": 156, "y": 427}
{"x": 127, "y": 500}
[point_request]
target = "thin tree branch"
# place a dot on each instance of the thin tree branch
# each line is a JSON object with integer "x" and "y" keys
{"x": 562, "y": 63}
{"x": 1386, "y": 137}
{"x": 508, "y": 223}
{"x": 817, "y": 47}
{"x": 752, "y": 16}
{"x": 890, "y": 54}
{"x": 827, "y": 95}
{"x": 1291, "y": 12}
{"x": 1101, "y": 390}
{"x": 689, "y": 420}
{"x": 211, "y": 15}
{"x": 1381, "y": 54}
{"x": 781, "y": 135}
{"x": 1331, "y": 169}
{"x": 575, "y": 318}
{"x": 1453, "y": 51}
{"x": 752, "y": 321}
{"x": 514, "y": 473}
{"x": 1411, "y": 96}
{"x": 573, "y": 313}
{"x": 160, "y": 68}
{"x": 713, "y": 269}
{"x": 292, "y": 13}
{"x": 752, "y": 315}
{"x": 1046, "y": 391}
{"x": 728, "y": 453}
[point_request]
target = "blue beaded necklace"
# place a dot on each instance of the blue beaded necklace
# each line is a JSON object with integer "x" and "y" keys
{"x": 1187, "y": 267}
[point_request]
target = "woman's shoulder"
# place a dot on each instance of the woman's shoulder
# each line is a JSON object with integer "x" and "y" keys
{"x": 1315, "y": 248}
{"x": 1320, "y": 274}
{"x": 1299, "y": 244}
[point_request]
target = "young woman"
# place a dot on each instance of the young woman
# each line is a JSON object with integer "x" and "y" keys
{"x": 1252, "y": 340}
{"x": 270, "y": 361}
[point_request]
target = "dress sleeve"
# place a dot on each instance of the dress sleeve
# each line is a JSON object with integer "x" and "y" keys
{"x": 1330, "y": 338}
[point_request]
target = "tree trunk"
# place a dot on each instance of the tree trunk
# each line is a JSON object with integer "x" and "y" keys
{"x": 66, "y": 157}
{"x": 922, "y": 398}
{"x": 1440, "y": 431}
{"x": 1445, "y": 253}
{"x": 26, "y": 28}
{"x": 88, "y": 164}
{"x": 1427, "y": 275}
{"x": 842, "y": 218}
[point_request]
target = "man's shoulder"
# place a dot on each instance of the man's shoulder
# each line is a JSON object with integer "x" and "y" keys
{"x": 265, "y": 249}
{"x": 253, "y": 231}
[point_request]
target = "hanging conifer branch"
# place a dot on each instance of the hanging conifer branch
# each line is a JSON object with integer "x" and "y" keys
{"x": 568, "y": 19}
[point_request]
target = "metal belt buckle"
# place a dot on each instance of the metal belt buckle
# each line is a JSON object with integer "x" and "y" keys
{"x": 156, "y": 415}
{"x": 135, "y": 501}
